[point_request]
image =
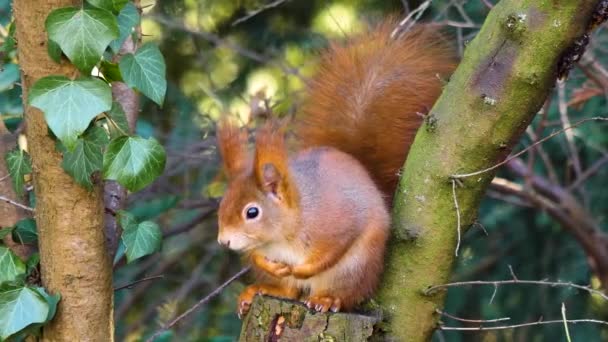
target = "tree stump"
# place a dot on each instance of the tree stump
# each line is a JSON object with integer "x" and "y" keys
{"x": 273, "y": 319}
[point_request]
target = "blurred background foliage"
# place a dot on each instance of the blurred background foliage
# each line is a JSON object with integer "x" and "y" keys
{"x": 222, "y": 58}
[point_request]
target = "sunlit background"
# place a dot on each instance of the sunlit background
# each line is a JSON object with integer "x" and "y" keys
{"x": 251, "y": 59}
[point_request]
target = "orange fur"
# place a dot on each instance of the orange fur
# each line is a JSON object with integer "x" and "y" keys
{"x": 232, "y": 143}
{"x": 271, "y": 162}
{"x": 322, "y": 217}
{"x": 367, "y": 92}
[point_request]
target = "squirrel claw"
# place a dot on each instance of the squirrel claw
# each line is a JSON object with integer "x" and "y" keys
{"x": 243, "y": 308}
{"x": 323, "y": 303}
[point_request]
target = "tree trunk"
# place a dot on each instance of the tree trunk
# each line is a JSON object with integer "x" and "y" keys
{"x": 73, "y": 253}
{"x": 505, "y": 75}
{"x": 271, "y": 319}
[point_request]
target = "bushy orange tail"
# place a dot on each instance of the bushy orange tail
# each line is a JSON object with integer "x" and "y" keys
{"x": 367, "y": 92}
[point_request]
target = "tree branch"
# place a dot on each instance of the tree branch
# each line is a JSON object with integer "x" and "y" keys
{"x": 506, "y": 73}
{"x": 201, "y": 302}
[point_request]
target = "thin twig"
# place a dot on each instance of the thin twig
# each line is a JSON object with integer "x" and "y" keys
{"x": 465, "y": 175}
{"x": 594, "y": 168}
{"x": 563, "y": 115}
{"x": 3, "y": 178}
{"x": 434, "y": 288}
{"x": 565, "y": 320}
{"x": 133, "y": 283}
{"x": 407, "y": 23}
{"x": 203, "y": 301}
{"x": 472, "y": 320}
{"x": 457, "y": 215}
{"x": 514, "y": 326}
{"x": 17, "y": 204}
{"x": 258, "y": 11}
{"x": 487, "y": 3}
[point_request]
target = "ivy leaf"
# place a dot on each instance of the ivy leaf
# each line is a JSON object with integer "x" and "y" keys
{"x": 9, "y": 42}
{"x": 19, "y": 308}
{"x": 120, "y": 252}
{"x": 128, "y": 18}
{"x": 32, "y": 262}
{"x": 9, "y": 74}
{"x": 145, "y": 71}
{"x": 134, "y": 162}
{"x": 82, "y": 33}
{"x": 87, "y": 157}
{"x": 139, "y": 239}
{"x": 119, "y": 125}
{"x": 5, "y": 231}
{"x": 110, "y": 5}
{"x": 70, "y": 105}
{"x": 51, "y": 300}
{"x": 25, "y": 231}
{"x": 19, "y": 164}
{"x": 54, "y": 51}
{"x": 11, "y": 267}
{"x": 110, "y": 71}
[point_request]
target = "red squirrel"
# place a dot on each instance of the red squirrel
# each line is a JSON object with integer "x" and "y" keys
{"x": 314, "y": 223}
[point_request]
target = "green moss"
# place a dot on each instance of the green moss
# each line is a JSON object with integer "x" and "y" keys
{"x": 502, "y": 81}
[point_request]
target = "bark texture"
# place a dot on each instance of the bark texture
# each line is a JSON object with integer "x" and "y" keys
{"x": 505, "y": 75}
{"x": 73, "y": 255}
{"x": 271, "y": 319}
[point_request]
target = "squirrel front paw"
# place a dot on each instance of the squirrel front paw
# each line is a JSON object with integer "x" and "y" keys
{"x": 304, "y": 271}
{"x": 277, "y": 269}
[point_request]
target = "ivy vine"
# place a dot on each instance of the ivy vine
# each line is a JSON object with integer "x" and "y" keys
{"x": 92, "y": 134}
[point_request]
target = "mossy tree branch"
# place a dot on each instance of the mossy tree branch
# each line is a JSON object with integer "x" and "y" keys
{"x": 271, "y": 319}
{"x": 505, "y": 75}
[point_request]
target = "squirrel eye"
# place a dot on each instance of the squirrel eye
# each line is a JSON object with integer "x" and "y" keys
{"x": 252, "y": 212}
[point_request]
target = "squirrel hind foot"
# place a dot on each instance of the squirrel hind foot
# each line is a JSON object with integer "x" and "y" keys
{"x": 323, "y": 303}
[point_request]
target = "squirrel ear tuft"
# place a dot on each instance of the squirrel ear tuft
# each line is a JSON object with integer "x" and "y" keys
{"x": 232, "y": 143}
{"x": 271, "y": 164}
{"x": 271, "y": 179}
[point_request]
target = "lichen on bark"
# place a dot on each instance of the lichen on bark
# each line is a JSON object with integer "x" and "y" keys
{"x": 272, "y": 319}
{"x": 503, "y": 79}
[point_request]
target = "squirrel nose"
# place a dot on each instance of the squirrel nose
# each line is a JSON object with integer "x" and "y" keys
{"x": 225, "y": 243}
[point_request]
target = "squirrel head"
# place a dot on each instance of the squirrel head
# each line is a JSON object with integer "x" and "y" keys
{"x": 260, "y": 203}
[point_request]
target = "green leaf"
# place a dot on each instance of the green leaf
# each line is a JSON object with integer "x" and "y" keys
{"x": 145, "y": 71}
{"x": 19, "y": 308}
{"x": 120, "y": 252}
{"x": 139, "y": 239}
{"x": 110, "y": 71}
{"x": 25, "y": 231}
{"x": 110, "y": 5}
{"x": 19, "y": 165}
{"x": 128, "y": 18}
{"x": 9, "y": 42}
{"x": 11, "y": 267}
{"x": 32, "y": 262}
{"x": 87, "y": 157}
{"x": 5, "y": 231}
{"x": 9, "y": 74}
{"x": 119, "y": 125}
{"x": 133, "y": 162}
{"x": 51, "y": 300}
{"x": 54, "y": 51}
{"x": 70, "y": 105}
{"x": 82, "y": 33}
